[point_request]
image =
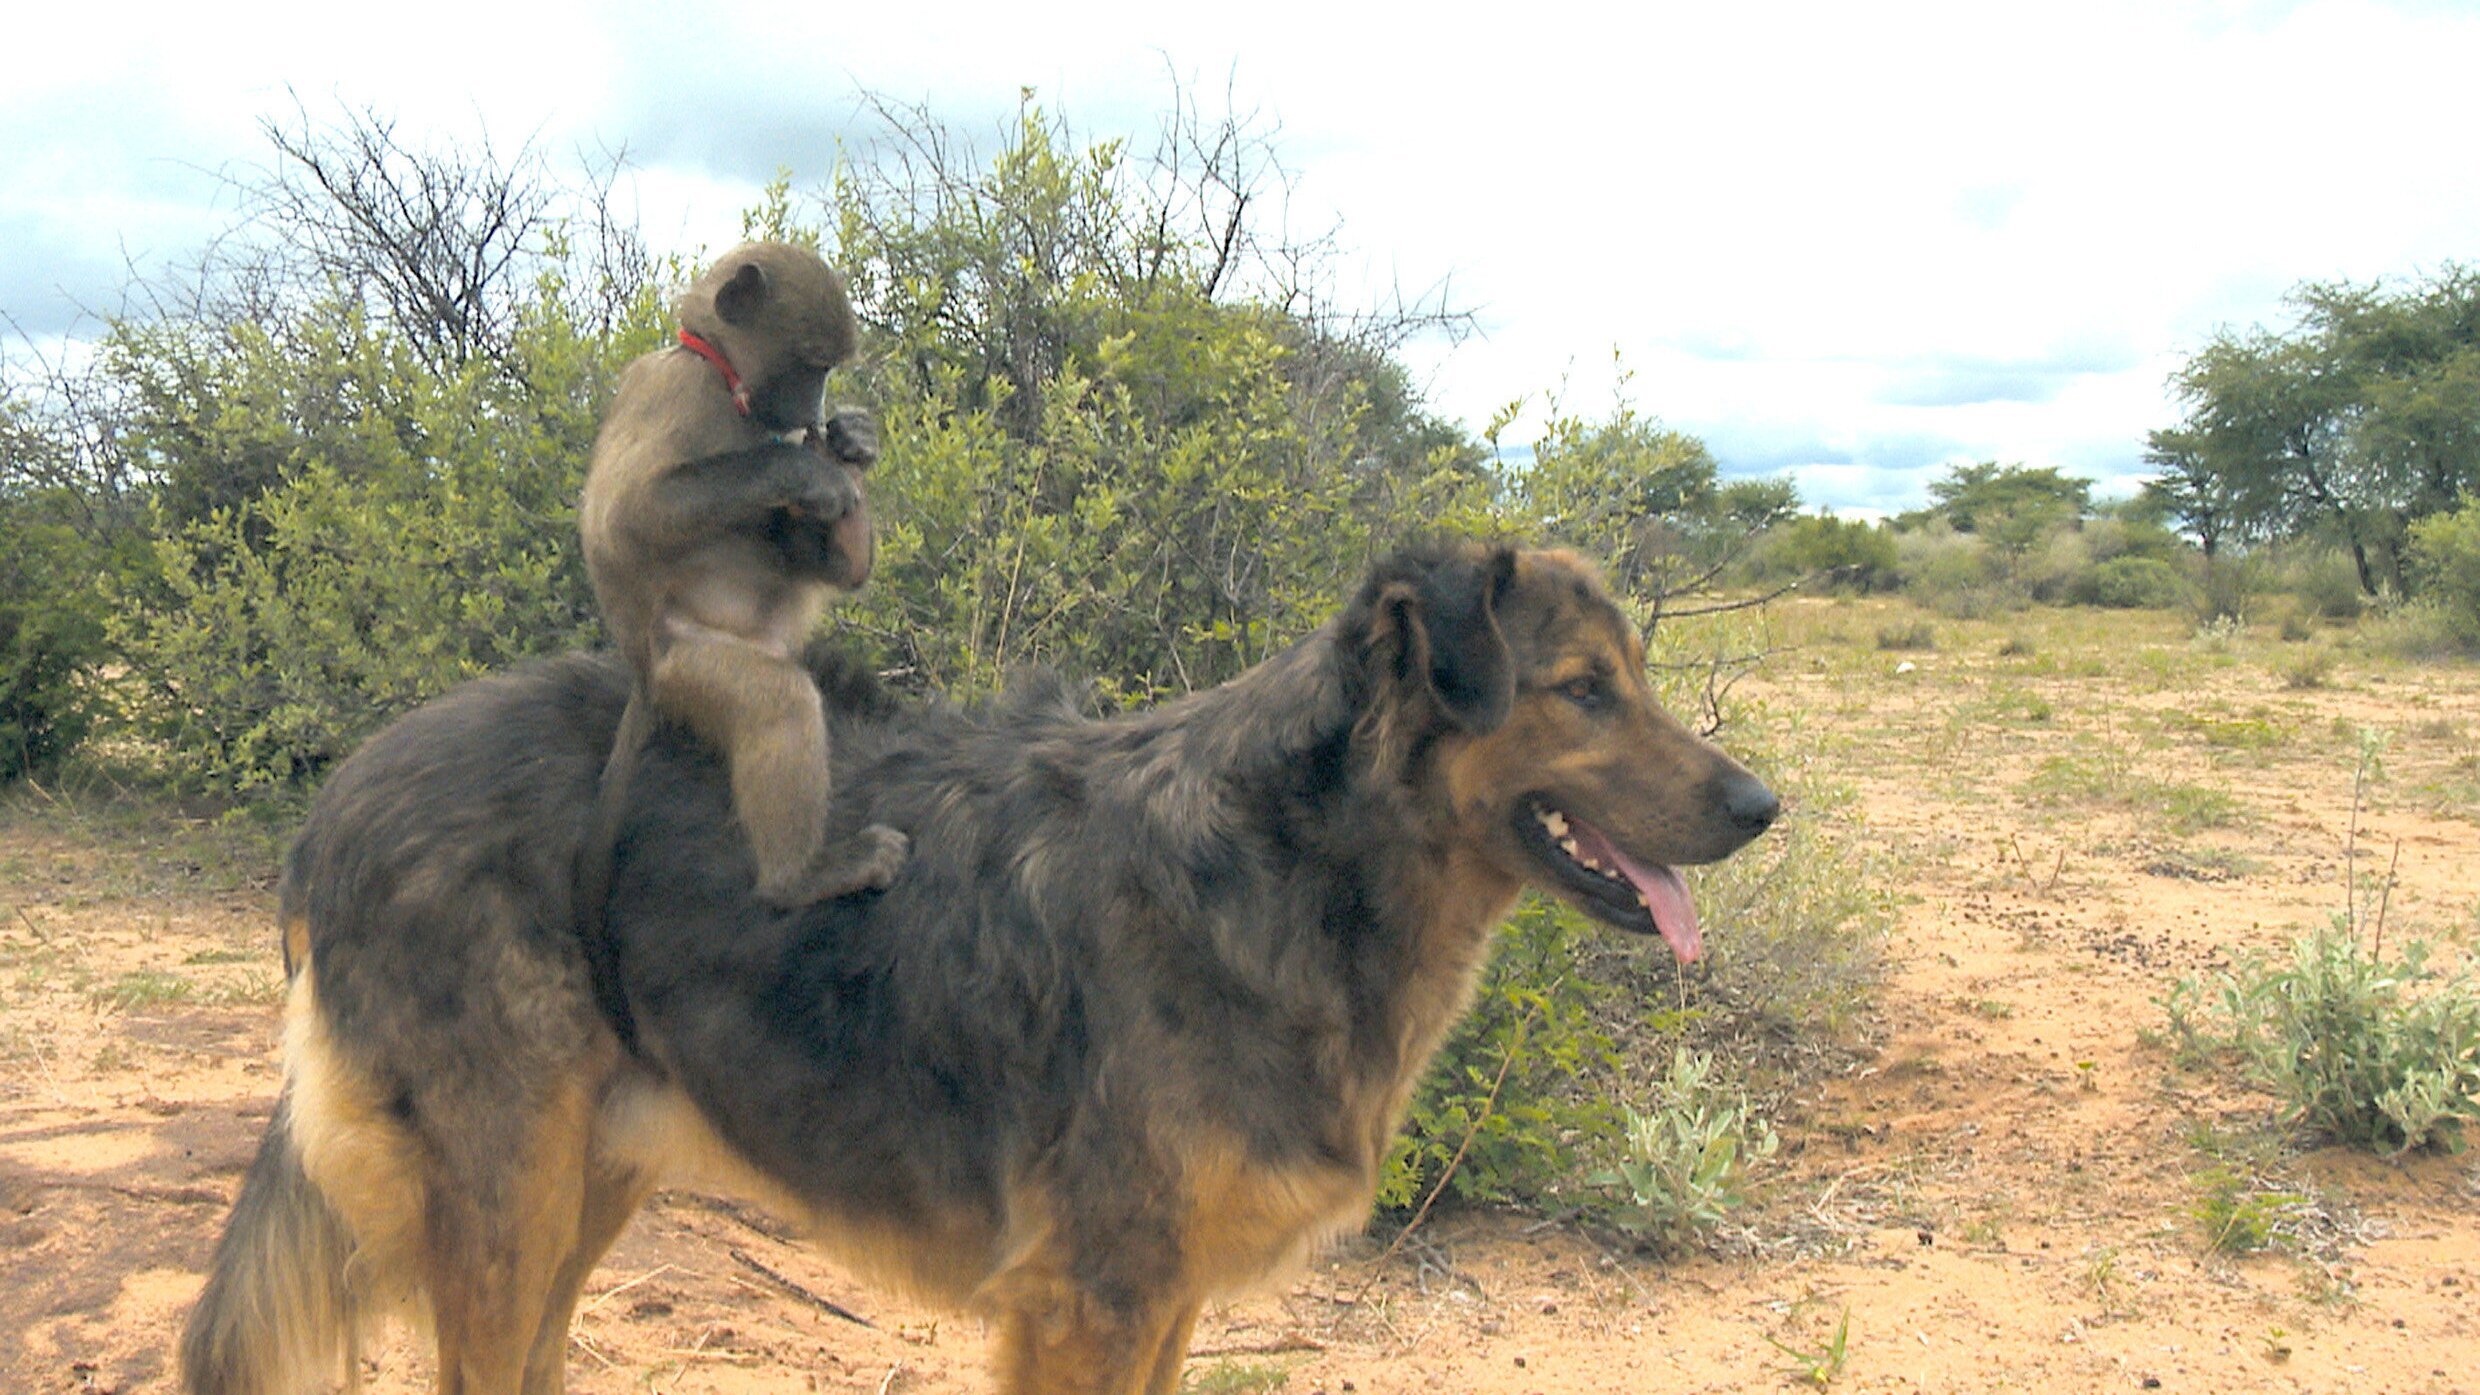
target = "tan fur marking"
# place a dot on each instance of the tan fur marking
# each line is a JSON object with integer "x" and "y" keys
{"x": 295, "y": 931}
{"x": 655, "y": 1129}
{"x": 1250, "y": 1224}
{"x": 489, "y": 1268}
{"x": 359, "y": 1156}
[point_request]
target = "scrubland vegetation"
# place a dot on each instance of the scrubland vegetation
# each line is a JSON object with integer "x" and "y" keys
{"x": 332, "y": 471}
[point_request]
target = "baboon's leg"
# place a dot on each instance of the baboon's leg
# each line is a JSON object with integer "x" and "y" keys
{"x": 611, "y": 1198}
{"x": 765, "y": 715}
{"x": 496, "y": 1239}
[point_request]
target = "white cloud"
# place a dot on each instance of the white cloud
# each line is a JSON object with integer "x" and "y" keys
{"x": 1876, "y": 236}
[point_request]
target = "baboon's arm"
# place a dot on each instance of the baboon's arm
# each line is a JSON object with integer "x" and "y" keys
{"x": 743, "y": 491}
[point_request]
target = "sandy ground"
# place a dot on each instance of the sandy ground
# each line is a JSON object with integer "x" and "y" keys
{"x": 1997, "y": 1195}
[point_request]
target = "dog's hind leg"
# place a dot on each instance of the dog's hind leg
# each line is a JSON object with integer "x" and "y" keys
{"x": 612, "y": 1196}
{"x": 497, "y": 1234}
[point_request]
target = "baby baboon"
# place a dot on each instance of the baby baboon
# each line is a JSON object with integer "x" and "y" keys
{"x": 720, "y": 513}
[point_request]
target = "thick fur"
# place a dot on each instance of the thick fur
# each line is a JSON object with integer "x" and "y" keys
{"x": 1133, "y": 1029}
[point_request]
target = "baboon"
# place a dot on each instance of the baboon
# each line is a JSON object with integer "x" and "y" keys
{"x": 720, "y": 513}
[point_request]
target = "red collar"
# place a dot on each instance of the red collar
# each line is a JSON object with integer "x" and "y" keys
{"x": 731, "y": 377}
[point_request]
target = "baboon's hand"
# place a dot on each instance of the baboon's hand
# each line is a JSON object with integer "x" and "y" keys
{"x": 849, "y": 436}
{"x": 824, "y": 493}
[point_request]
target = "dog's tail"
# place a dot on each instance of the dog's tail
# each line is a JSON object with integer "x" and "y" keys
{"x": 280, "y": 1312}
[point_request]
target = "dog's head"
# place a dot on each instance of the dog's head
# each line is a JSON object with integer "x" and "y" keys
{"x": 1523, "y": 687}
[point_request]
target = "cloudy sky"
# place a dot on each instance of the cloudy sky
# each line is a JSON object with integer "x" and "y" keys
{"x": 1854, "y": 242}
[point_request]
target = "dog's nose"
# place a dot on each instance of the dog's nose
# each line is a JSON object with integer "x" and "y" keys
{"x": 1749, "y": 805}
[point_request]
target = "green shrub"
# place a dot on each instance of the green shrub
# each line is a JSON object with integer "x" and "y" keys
{"x": 2326, "y": 581}
{"x": 1854, "y": 555}
{"x": 265, "y": 661}
{"x": 426, "y": 538}
{"x": 1237, "y": 1378}
{"x": 1952, "y": 573}
{"x": 51, "y": 639}
{"x": 2068, "y": 778}
{"x": 2138, "y": 583}
{"x": 2227, "y": 589}
{"x": 2113, "y": 538}
{"x": 1915, "y": 634}
{"x": 2383, "y": 1053}
{"x": 2058, "y": 568}
{"x": 2313, "y": 668}
{"x": 1797, "y": 919}
{"x": 2240, "y": 1215}
{"x": 2418, "y": 629}
{"x": 2445, "y": 562}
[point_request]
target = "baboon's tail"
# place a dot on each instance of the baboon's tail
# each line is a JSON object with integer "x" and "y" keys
{"x": 280, "y": 1313}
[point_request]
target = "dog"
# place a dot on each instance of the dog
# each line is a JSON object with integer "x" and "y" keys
{"x": 1133, "y": 1029}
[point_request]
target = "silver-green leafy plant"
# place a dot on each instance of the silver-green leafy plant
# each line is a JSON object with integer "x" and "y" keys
{"x": 1685, "y": 1156}
{"x": 2375, "y": 1051}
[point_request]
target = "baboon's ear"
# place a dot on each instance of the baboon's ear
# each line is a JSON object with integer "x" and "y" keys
{"x": 1448, "y": 624}
{"x": 738, "y": 299}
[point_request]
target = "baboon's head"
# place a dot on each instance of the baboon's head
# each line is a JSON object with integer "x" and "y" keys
{"x": 781, "y": 317}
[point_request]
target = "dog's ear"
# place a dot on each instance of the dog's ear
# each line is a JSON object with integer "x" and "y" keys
{"x": 1444, "y": 621}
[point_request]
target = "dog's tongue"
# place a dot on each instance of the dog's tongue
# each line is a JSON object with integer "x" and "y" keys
{"x": 1665, "y": 893}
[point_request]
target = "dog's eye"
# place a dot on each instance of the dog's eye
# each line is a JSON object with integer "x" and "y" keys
{"x": 1587, "y": 693}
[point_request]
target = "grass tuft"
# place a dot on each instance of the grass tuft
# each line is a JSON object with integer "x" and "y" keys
{"x": 146, "y": 988}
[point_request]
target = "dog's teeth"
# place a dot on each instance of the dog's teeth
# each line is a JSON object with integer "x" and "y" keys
{"x": 1556, "y": 822}
{"x": 1568, "y": 846}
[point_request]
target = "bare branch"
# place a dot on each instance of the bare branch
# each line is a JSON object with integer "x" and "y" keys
{"x": 433, "y": 237}
{"x": 1749, "y": 602}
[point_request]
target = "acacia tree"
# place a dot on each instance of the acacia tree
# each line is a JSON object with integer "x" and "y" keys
{"x": 2004, "y": 500}
{"x": 2357, "y": 421}
{"x": 2011, "y": 508}
{"x": 2187, "y": 491}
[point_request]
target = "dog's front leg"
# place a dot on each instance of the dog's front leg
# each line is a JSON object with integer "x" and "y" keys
{"x": 1172, "y": 1356}
{"x": 1087, "y": 1347}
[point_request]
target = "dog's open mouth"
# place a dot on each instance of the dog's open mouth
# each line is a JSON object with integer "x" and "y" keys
{"x": 1609, "y": 884}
